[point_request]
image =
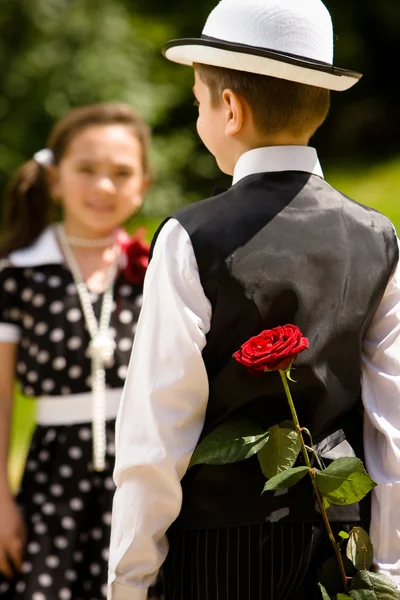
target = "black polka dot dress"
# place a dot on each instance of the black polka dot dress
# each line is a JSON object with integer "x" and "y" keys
{"x": 66, "y": 504}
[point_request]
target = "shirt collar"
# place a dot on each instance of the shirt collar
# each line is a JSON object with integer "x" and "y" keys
{"x": 277, "y": 158}
{"x": 44, "y": 251}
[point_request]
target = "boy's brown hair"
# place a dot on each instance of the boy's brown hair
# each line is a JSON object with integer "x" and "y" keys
{"x": 277, "y": 105}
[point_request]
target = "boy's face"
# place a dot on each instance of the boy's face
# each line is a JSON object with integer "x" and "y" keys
{"x": 211, "y": 126}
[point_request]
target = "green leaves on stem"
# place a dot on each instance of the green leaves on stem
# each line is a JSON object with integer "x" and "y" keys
{"x": 231, "y": 442}
{"x": 345, "y": 481}
{"x": 280, "y": 451}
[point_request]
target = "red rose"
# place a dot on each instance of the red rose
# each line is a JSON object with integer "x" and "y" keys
{"x": 135, "y": 251}
{"x": 272, "y": 350}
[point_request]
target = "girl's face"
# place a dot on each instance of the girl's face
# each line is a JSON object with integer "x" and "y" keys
{"x": 99, "y": 180}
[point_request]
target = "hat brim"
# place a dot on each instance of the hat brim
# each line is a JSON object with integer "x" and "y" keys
{"x": 240, "y": 57}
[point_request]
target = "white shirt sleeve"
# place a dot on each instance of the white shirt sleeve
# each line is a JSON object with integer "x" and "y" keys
{"x": 161, "y": 414}
{"x": 381, "y": 397}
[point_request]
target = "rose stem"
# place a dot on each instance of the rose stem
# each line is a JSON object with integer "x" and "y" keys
{"x": 316, "y": 490}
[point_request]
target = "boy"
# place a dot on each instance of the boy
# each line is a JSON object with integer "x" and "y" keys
{"x": 280, "y": 246}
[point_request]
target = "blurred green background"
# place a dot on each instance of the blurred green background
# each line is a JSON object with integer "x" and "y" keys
{"x": 57, "y": 54}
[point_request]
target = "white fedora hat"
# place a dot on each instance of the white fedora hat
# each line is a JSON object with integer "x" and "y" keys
{"x": 287, "y": 39}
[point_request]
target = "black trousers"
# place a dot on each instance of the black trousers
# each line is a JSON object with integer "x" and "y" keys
{"x": 272, "y": 561}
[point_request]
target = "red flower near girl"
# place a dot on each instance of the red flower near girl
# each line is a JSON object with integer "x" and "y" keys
{"x": 272, "y": 350}
{"x": 135, "y": 252}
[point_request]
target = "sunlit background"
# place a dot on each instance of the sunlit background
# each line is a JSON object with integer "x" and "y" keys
{"x": 58, "y": 54}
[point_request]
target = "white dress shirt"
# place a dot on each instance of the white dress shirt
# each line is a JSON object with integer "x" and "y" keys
{"x": 166, "y": 392}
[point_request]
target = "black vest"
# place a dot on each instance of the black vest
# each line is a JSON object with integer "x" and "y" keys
{"x": 280, "y": 248}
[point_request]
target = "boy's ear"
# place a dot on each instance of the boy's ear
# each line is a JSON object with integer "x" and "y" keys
{"x": 234, "y": 107}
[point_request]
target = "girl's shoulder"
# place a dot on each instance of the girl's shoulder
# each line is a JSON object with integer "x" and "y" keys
{"x": 44, "y": 251}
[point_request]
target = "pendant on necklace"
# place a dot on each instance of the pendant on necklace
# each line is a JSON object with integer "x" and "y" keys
{"x": 101, "y": 348}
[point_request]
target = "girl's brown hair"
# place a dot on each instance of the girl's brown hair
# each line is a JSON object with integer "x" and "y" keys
{"x": 27, "y": 207}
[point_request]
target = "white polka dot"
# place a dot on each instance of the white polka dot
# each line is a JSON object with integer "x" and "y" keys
{"x": 28, "y": 321}
{"x": 68, "y": 523}
{"x": 95, "y": 569}
{"x": 125, "y": 344}
{"x": 21, "y": 368}
{"x": 59, "y": 363}
{"x": 74, "y": 343}
{"x": 97, "y": 533}
{"x": 27, "y": 294}
{"x": 75, "y": 452}
{"x": 10, "y": 285}
{"x": 64, "y": 594}
{"x": 57, "y": 335}
{"x": 105, "y": 554}
{"x": 29, "y": 391}
{"x": 54, "y": 281}
{"x": 51, "y": 435}
{"x": 84, "y": 485}
{"x": 85, "y": 433}
{"x": 48, "y": 385}
{"x": 75, "y": 371}
{"x": 44, "y": 455}
{"x": 76, "y": 504}
{"x": 111, "y": 448}
{"x": 38, "y": 596}
{"x": 20, "y": 587}
{"x": 32, "y": 465}
{"x": 104, "y": 590}
{"x": 36, "y": 518}
{"x": 39, "y": 498}
{"x": 125, "y": 290}
{"x": 56, "y": 489}
{"x": 41, "y": 328}
{"x": 52, "y": 561}
{"x": 66, "y": 471}
{"x": 134, "y": 328}
{"x": 38, "y": 300}
{"x": 125, "y": 316}
{"x": 73, "y": 315}
{"x": 41, "y": 477}
{"x": 88, "y": 381}
{"x": 32, "y": 376}
{"x": 43, "y": 357}
{"x": 40, "y": 528}
{"x": 26, "y": 567}
{"x": 4, "y": 587}
{"x": 45, "y": 580}
{"x": 107, "y": 518}
{"x": 93, "y": 297}
{"x": 56, "y": 307}
{"x": 139, "y": 301}
{"x": 71, "y": 575}
{"x": 122, "y": 371}
{"x": 77, "y": 556}
{"x": 60, "y": 542}
{"x": 33, "y": 548}
{"x": 65, "y": 390}
{"x": 71, "y": 289}
{"x": 48, "y": 508}
{"x": 113, "y": 332}
{"x": 109, "y": 483}
{"x": 39, "y": 277}
{"x": 33, "y": 350}
{"x": 14, "y": 313}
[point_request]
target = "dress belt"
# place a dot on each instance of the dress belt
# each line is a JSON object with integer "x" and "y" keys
{"x": 74, "y": 408}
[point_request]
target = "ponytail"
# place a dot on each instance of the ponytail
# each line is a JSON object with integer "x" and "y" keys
{"x": 26, "y": 208}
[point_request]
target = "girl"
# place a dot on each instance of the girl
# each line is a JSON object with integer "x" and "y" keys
{"x": 70, "y": 295}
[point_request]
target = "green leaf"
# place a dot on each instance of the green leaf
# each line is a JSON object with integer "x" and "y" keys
{"x": 373, "y": 586}
{"x": 286, "y": 479}
{"x": 330, "y": 577}
{"x": 230, "y": 442}
{"x": 280, "y": 451}
{"x": 344, "y": 482}
{"x": 343, "y": 597}
{"x": 324, "y": 593}
{"x": 359, "y": 549}
{"x": 344, "y": 535}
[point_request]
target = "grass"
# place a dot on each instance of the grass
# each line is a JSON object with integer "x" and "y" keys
{"x": 377, "y": 186}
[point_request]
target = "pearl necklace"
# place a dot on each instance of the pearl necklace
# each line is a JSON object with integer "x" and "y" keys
{"x": 101, "y": 346}
{"x": 89, "y": 242}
